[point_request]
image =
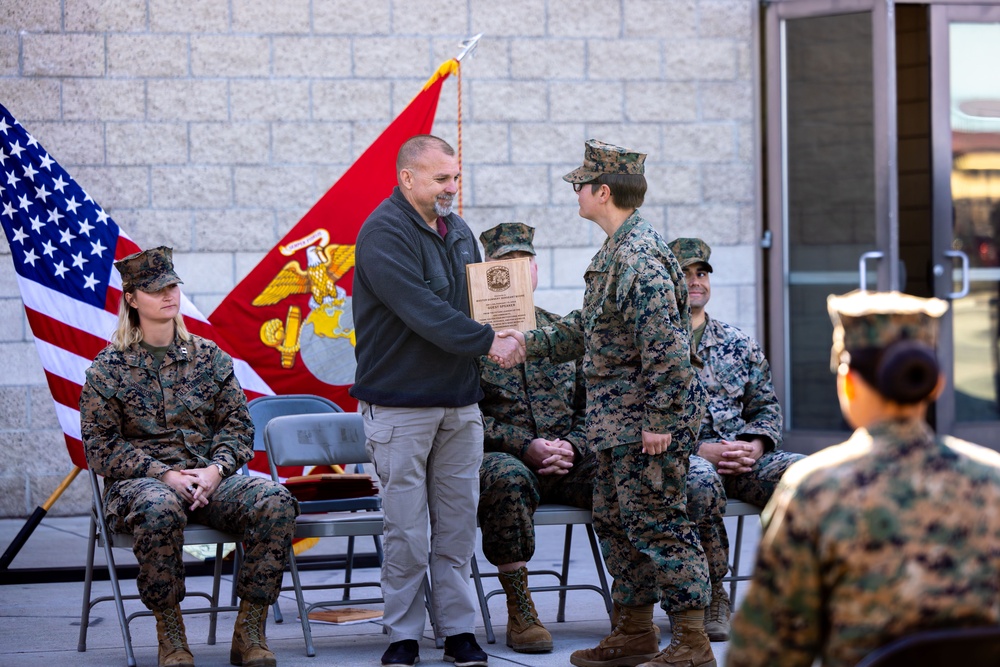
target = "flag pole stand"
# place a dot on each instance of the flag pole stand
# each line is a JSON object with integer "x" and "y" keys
{"x": 35, "y": 518}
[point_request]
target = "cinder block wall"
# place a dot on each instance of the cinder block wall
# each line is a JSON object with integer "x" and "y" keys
{"x": 213, "y": 126}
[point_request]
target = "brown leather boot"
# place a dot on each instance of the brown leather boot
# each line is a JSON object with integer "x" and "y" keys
{"x": 689, "y": 646}
{"x": 525, "y": 633}
{"x": 173, "y": 651}
{"x": 249, "y": 643}
{"x": 631, "y": 642}
{"x": 717, "y": 615}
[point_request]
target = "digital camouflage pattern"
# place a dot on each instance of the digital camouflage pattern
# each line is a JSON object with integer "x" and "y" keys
{"x": 255, "y": 507}
{"x": 690, "y": 251}
{"x": 863, "y": 320}
{"x": 892, "y": 532}
{"x": 538, "y": 399}
{"x": 650, "y": 546}
{"x": 634, "y": 335}
{"x": 149, "y": 270}
{"x": 139, "y": 421}
{"x": 507, "y": 237}
{"x": 706, "y": 508}
{"x": 741, "y": 404}
{"x": 603, "y": 158}
{"x": 737, "y": 379}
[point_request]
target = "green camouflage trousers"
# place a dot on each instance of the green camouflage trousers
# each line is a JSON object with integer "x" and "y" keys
{"x": 650, "y": 546}
{"x": 510, "y": 492}
{"x": 707, "y": 494}
{"x": 155, "y": 515}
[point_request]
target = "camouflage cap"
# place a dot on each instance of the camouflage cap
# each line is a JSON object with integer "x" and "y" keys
{"x": 601, "y": 158}
{"x": 150, "y": 270}
{"x": 691, "y": 251}
{"x": 507, "y": 237}
{"x": 865, "y": 320}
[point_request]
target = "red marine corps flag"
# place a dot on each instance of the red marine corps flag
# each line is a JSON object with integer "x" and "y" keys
{"x": 293, "y": 310}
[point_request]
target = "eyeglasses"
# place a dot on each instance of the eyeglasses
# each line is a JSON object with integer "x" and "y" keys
{"x": 579, "y": 186}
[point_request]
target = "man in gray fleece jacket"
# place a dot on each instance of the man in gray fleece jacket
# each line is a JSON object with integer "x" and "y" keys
{"x": 417, "y": 385}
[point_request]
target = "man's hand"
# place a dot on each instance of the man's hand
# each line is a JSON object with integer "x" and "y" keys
{"x": 549, "y": 457}
{"x": 511, "y": 335}
{"x": 732, "y": 457}
{"x": 507, "y": 351}
{"x": 655, "y": 443}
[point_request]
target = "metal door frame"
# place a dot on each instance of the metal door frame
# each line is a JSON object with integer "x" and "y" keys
{"x": 941, "y": 16}
{"x": 886, "y": 187}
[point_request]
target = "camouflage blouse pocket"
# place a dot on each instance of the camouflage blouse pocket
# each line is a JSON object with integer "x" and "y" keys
{"x": 732, "y": 379}
{"x": 198, "y": 395}
{"x": 138, "y": 393}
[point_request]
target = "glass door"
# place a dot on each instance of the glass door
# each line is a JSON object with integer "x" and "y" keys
{"x": 966, "y": 93}
{"x": 827, "y": 207}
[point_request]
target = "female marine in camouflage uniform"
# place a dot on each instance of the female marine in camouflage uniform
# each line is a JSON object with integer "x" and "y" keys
{"x": 165, "y": 421}
{"x": 892, "y": 532}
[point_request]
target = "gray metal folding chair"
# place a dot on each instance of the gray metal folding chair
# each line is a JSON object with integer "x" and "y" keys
{"x": 194, "y": 534}
{"x": 265, "y": 408}
{"x": 315, "y": 440}
{"x": 552, "y": 515}
{"x": 740, "y": 510}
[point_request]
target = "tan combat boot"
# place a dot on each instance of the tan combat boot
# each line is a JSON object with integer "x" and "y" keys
{"x": 173, "y": 651}
{"x": 616, "y": 612}
{"x": 249, "y": 643}
{"x": 689, "y": 646}
{"x": 717, "y": 616}
{"x": 632, "y": 641}
{"x": 525, "y": 633}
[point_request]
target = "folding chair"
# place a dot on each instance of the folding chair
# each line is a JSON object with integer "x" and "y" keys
{"x": 324, "y": 439}
{"x": 194, "y": 534}
{"x": 552, "y": 515}
{"x": 969, "y": 647}
{"x": 265, "y": 408}
{"x": 740, "y": 510}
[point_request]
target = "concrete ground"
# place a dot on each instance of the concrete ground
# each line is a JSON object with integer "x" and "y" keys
{"x": 39, "y": 622}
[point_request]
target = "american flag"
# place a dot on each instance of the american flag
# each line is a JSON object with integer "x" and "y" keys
{"x": 63, "y": 245}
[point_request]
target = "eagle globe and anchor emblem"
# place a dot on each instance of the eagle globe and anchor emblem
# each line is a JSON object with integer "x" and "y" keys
{"x": 325, "y": 338}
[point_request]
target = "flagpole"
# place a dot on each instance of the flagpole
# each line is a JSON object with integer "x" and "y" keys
{"x": 35, "y": 518}
{"x": 468, "y": 48}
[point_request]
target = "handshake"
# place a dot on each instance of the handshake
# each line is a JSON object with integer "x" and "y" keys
{"x": 508, "y": 349}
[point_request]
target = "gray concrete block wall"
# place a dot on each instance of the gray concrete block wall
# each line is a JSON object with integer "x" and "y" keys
{"x": 214, "y": 125}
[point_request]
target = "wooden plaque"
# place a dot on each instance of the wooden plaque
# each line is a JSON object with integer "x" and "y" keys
{"x": 500, "y": 293}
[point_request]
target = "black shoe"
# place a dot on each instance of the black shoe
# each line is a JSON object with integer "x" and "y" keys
{"x": 405, "y": 653}
{"x": 464, "y": 651}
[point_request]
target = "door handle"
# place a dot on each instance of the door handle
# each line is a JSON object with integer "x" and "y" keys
{"x": 862, "y": 268}
{"x": 964, "y": 259}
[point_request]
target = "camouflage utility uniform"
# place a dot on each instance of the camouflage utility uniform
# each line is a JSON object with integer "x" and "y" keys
{"x": 889, "y": 533}
{"x": 741, "y": 405}
{"x": 140, "y": 420}
{"x": 634, "y": 333}
{"x": 538, "y": 399}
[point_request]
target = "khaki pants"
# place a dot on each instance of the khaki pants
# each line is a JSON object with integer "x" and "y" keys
{"x": 427, "y": 460}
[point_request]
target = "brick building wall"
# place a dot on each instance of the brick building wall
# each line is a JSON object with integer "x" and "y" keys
{"x": 213, "y": 125}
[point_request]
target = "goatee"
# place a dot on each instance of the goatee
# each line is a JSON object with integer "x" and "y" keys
{"x": 443, "y": 209}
